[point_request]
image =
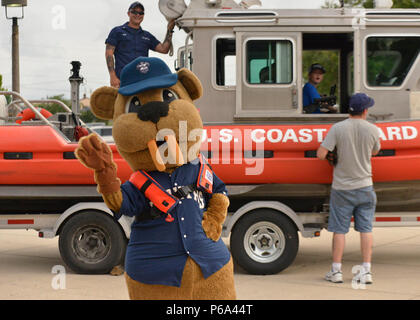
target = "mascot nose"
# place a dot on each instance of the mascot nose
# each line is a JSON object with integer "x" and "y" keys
{"x": 153, "y": 111}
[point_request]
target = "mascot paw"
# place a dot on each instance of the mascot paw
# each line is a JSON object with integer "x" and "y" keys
{"x": 211, "y": 227}
{"x": 94, "y": 153}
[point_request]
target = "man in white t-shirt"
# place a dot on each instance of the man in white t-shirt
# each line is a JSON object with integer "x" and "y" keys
{"x": 352, "y": 192}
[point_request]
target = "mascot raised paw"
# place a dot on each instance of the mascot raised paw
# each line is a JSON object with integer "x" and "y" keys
{"x": 178, "y": 203}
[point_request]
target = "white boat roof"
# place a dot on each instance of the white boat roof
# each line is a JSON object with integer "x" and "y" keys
{"x": 198, "y": 14}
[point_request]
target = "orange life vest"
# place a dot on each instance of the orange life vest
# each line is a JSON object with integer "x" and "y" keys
{"x": 165, "y": 201}
{"x": 205, "y": 177}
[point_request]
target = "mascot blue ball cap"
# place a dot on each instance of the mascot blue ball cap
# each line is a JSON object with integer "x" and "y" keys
{"x": 145, "y": 73}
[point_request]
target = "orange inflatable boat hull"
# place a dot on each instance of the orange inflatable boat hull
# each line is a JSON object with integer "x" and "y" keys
{"x": 239, "y": 154}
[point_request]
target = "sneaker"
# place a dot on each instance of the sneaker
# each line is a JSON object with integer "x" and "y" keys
{"x": 336, "y": 277}
{"x": 365, "y": 278}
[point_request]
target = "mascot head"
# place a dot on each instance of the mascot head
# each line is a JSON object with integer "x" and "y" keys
{"x": 156, "y": 125}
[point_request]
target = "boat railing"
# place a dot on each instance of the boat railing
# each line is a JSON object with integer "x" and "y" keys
{"x": 61, "y": 103}
{"x": 21, "y": 99}
{"x": 31, "y": 104}
{"x": 21, "y": 103}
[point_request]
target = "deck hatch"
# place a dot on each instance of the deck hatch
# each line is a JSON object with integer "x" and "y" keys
{"x": 18, "y": 155}
{"x": 69, "y": 155}
{"x": 386, "y": 153}
{"x": 266, "y": 154}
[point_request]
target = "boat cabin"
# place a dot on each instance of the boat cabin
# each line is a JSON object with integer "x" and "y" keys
{"x": 253, "y": 63}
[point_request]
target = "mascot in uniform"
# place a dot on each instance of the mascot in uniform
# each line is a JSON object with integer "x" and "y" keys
{"x": 178, "y": 203}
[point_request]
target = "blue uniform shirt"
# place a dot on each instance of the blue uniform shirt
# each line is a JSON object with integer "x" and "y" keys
{"x": 158, "y": 250}
{"x": 130, "y": 44}
{"x": 309, "y": 95}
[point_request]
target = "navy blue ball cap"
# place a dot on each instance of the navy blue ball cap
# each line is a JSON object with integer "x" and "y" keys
{"x": 135, "y": 5}
{"x": 316, "y": 66}
{"x": 145, "y": 73}
{"x": 360, "y": 101}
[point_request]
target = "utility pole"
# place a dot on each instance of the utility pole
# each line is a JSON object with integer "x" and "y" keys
{"x": 13, "y": 5}
{"x": 15, "y": 56}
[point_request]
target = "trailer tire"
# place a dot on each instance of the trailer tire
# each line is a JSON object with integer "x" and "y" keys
{"x": 91, "y": 242}
{"x": 264, "y": 241}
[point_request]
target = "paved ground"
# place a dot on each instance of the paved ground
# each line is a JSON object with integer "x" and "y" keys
{"x": 26, "y": 264}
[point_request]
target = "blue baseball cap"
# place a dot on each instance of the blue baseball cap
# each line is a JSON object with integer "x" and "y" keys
{"x": 145, "y": 73}
{"x": 316, "y": 66}
{"x": 360, "y": 101}
{"x": 135, "y": 5}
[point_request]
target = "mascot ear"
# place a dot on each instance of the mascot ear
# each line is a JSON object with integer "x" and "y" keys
{"x": 102, "y": 102}
{"x": 191, "y": 83}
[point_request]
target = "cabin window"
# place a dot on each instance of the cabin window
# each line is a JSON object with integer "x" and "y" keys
{"x": 226, "y": 62}
{"x": 269, "y": 62}
{"x": 182, "y": 59}
{"x": 389, "y": 59}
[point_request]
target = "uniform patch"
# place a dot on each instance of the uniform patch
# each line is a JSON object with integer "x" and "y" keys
{"x": 209, "y": 176}
{"x": 143, "y": 67}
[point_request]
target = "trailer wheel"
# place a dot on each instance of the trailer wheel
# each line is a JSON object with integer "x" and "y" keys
{"x": 92, "y": 243}
{"x": 264, "y": 242}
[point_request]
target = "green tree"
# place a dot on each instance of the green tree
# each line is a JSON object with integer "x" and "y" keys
{"x": 349, "y": 3}
{"x": 8, "y": 98}
{"x": 88, "y": 117}
{"x": 371, "y": 3}
{"x": 406, "y": 4}
{"x": 55, "y": 107}
{"x": 1, "y": 83}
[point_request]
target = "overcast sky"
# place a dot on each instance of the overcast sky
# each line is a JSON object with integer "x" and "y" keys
{"x": 48, "y": 43}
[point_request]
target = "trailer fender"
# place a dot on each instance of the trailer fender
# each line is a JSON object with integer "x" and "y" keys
{"x": 124, "y": 222}
{"x": 231, "y": 219}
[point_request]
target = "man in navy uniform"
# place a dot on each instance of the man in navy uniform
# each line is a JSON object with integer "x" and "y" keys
{"x": 129, "y": 41}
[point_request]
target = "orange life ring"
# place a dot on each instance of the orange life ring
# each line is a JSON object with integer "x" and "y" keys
{"x": 28, "y": 114}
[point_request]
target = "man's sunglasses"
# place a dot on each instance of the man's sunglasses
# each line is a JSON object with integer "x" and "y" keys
{"x": 139, "y": 13}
